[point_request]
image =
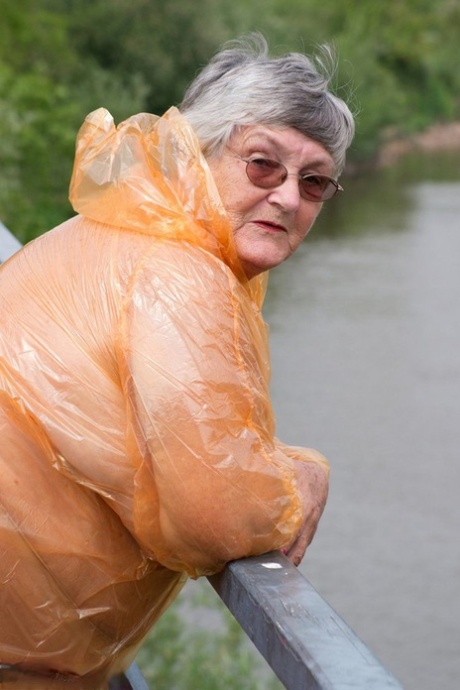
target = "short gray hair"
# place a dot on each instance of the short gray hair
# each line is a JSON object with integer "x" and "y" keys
{"x": 243, "y": 85}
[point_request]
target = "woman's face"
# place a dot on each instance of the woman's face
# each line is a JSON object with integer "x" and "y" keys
{"x": 268, "y": 224}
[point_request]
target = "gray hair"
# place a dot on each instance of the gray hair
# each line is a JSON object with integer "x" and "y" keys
{"x": 242, "y": 85}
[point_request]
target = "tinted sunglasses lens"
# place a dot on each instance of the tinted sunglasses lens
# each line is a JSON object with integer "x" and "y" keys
{"x": 266, "y": 173}
{"x": 318, "y": 187}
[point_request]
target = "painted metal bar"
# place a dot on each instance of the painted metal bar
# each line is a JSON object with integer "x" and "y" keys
{"x": 135, "y": 678}
{"x": 306, "y": 643}
{"x": 8, "y": 243}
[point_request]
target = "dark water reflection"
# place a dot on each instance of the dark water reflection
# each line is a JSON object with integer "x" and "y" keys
{"x": 382, "y": 196}
{"x": 366, "y": 367}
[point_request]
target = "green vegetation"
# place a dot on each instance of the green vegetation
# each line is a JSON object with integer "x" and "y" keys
{"x": 179, "y": 655}
{"x": 60, "y": 59}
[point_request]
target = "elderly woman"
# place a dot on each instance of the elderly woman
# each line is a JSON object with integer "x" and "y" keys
{"x": 137, "y": 435}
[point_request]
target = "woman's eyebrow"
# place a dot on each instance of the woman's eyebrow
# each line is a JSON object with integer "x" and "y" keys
{"x": 318, "y": 162}
{"x": 259, "y": 140}
{"x": 263, "y": 138}
{"x": 260, "y": 135}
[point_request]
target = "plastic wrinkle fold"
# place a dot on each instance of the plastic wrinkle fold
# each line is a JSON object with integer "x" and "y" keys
{"x": 137, "y": 435}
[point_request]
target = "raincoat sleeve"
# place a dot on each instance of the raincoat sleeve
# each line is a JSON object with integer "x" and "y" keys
{"x": 212, "y": 484}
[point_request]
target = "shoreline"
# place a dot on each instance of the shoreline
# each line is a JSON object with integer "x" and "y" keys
{"x": 438, "y": 137}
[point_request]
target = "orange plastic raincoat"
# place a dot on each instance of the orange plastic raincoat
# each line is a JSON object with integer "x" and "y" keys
{"x": 137, "y": 436}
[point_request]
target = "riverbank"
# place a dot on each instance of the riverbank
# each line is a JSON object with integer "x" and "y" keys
{"x": 439, "y": 137}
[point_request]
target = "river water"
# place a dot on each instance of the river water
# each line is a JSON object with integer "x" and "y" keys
{"x": 365, "y": 340}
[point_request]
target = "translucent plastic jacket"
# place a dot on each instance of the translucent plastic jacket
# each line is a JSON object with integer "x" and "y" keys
{"x": 137, "y": 436}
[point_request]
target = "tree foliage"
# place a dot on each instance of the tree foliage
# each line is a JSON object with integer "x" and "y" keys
{"x": 60, "y": 59}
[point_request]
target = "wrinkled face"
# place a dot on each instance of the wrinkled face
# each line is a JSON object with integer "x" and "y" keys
{"x": 268, "y": 224}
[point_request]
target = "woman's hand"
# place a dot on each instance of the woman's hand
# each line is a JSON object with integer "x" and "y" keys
{"x": 313, "y": 484}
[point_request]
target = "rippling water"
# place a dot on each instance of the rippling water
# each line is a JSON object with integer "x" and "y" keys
{"x": 365, "y": 338}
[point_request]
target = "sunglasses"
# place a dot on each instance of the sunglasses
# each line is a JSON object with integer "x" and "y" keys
{"x": 267, "y": 174}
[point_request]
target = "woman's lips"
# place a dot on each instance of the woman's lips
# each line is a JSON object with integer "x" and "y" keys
{"x": 270, "y": 226}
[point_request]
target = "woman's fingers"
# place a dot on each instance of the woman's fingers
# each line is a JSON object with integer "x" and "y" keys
{"x": 313, "y": 485}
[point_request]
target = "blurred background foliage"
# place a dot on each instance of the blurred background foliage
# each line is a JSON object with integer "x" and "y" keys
{"x": 61, "y": 59}
{"x": 198, "y": 645}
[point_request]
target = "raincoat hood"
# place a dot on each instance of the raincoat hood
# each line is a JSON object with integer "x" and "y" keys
{"x": 148, "y": 174}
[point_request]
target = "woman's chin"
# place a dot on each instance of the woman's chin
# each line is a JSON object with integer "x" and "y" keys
{"x": 253, "y": 265}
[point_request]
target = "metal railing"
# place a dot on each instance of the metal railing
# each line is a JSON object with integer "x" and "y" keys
{"x": 303, "y": 639}
{"x": 8, "y": 243}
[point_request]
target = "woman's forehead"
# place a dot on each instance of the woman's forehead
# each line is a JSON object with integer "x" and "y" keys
{"x": 285, "y": 140}
{"x": 265, "y": 132}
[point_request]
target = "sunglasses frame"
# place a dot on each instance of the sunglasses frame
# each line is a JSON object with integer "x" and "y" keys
{"x": 332, "y": 183}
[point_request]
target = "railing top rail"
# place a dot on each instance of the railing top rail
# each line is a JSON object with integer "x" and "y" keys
{"x": 303, "y": 639}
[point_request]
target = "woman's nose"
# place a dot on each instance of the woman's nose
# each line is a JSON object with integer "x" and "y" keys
{"x": 287, "y": 195}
